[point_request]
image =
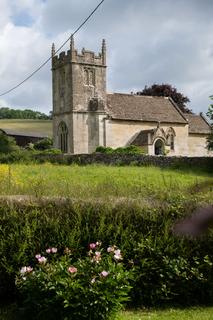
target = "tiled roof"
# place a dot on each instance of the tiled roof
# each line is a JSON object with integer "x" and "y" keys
{"x": 197, "y": 124}
{"x": 143, "y": 108}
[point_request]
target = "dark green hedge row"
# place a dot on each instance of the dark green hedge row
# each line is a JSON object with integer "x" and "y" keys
{"x": 167, "y": 269}
{"x": 118, "y": 158}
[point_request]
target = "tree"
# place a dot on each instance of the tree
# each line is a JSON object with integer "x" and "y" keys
{"x": 166, "y": 90}
{"x": 210, "y": 136}
{"x": 44, "y": 144}
{"x": 50, "y": 115}
{"x": 7, "y": 144}
{"x": 7, "y": 113}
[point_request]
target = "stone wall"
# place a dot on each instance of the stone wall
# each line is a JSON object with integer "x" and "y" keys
{"x": 128, "y": 159}
{"x": 197, "y": 145}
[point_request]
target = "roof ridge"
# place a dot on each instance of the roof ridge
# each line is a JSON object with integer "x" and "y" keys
{"x": 136, "y": 95}
{"x": 177, "y": 108}
{"x": 200, "y": 115}
{"x": 205, "y": 119}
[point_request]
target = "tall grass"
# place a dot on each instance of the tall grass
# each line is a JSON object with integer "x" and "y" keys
{"x": 171, "y": 314}
{"x": 103, "y": 182}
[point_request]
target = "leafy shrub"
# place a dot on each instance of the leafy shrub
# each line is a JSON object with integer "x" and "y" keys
{"x": 121, "y": 150}
{"x": 28, "y": 156}
{"x": 164, "y": 277}
{"x": 102, "y": 149}
{"x": 51, "y": 151}
{"x": 30, "y": 146}
{"x": 129, "y": 150}
{"x": 210, "y": 139}
{"x": 20, "y": 155}
{"x": 7, "y": 144}
{"x": 44, "y": 144}
{"x": 92, "y": 287}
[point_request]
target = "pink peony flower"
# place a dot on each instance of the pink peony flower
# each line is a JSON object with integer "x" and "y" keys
{"x": 117, "y": 254}
{"x": 72, "y": 269}
{"x": 104, "y": 273}
{"x": 93, "y": 280}
{"x": 23, "y": 270}
{"x": 29, "y": 269}
{"x": 92, "y": 246}
{"x": 110, "y": 249}
{"x": 97, "y": 257}
{"x": 38, "y": 256}
{"x": 53, "y": 250}
{"x": 26, "y": 270}
{"x": 42, "y": 260}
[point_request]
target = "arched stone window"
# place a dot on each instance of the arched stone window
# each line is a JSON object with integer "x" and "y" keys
{"x": 63, "y": 137}
{"x": 170, "y": 137}
{"x": 159, "y": 147}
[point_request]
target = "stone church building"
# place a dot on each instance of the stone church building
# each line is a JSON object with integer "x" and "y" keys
{"x": 86, "y": 116}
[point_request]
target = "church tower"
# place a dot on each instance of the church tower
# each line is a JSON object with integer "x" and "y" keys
{"x": 79, "y": 98}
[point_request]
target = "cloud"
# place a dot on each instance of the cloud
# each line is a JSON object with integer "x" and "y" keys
{"x": 147, "y": 42}
{"x": 5, "y": 9}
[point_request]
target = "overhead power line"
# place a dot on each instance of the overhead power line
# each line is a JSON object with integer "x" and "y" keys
{"x": 45, "y": 62}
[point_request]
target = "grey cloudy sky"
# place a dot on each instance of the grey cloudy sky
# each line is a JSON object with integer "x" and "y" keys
{"x": 158, "y": 41}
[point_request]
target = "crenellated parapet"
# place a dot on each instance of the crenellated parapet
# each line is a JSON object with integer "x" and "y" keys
{"x": 85, "y": 57}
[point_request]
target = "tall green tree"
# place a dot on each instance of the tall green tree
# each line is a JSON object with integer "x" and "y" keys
{"x": 7, "y": 144}
{"x": 210, "y": 136}
{"x": 166, "y": 90}
{"x": 7, "y": 113}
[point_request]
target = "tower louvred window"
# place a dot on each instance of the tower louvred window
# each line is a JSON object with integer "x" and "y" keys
{"x": 89, "y": 77}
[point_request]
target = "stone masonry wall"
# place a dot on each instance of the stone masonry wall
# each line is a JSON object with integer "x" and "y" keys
{"x": 121, "y": 133}
{"x": 128, "y": 159}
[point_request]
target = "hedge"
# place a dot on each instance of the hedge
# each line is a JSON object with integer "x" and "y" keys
{"x": 167, "y": 269}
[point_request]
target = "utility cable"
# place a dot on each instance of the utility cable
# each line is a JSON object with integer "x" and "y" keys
{"x": 45, "y": 62}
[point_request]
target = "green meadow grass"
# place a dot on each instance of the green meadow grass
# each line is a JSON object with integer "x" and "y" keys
{"x": 170, "y": 314}
{"x": 104, "y": 182}
{"x": 27, "y": 126}
{"x": 167, "y": 314}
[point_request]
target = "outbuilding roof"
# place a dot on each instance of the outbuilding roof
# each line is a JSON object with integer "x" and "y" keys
{"x": 198, "y": 124}
{"x": 143, "y": 108}
{"x": 10, "y": 132}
